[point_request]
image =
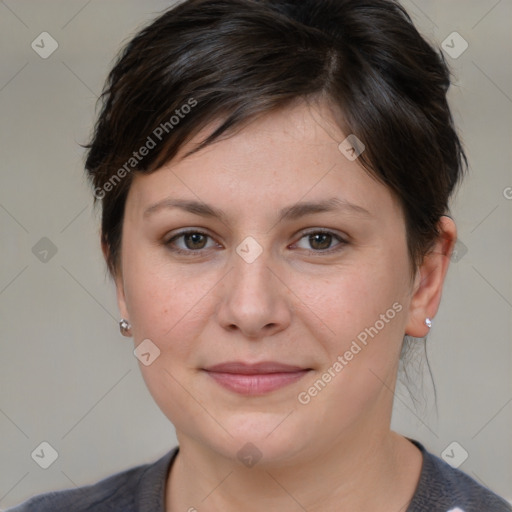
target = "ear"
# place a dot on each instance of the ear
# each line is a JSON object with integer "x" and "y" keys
{"x": 429, "y": 280}
{"x": 118, "y": 279}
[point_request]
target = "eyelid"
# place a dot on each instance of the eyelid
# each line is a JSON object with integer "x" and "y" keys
{"x": 327, "y": 231}
{"x": 343, "y": 240}
{"x": 179, "y": 234}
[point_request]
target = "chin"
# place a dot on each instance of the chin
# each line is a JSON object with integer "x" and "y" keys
{"x": 262, "y": 437}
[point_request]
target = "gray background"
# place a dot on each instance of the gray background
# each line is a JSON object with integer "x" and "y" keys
{"x": 68, "y": 377}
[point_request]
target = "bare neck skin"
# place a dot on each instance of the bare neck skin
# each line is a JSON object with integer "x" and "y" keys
{"x": 376, "y": 471}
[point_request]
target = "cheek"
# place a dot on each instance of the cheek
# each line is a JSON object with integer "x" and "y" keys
{"x": 166, "y": 308}
{"x": 354, "y": 298}
{"x": 163, "y": 300}
{"x": 364, "y": 312}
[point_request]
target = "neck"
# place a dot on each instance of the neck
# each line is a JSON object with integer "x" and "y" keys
{"x": 366, "y": 470}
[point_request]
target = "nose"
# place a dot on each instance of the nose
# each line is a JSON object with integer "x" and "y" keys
{"x": 254, "y": 299}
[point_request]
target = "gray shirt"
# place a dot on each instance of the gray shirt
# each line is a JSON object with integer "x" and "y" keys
{"x": 441, "y": 488}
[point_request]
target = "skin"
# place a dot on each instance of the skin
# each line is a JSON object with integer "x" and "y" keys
{"x": 297, "y": 303}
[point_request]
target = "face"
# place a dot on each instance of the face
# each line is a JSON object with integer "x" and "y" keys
{"x": 292, "y": 256}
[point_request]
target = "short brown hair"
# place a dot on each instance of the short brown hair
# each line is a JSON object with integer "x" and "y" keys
{"x": 232, "y": 60}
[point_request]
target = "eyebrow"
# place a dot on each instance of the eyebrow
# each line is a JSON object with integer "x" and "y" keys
{"x": 292, "y": 212}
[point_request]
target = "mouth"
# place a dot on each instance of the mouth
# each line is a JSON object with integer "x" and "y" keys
{"x": 255, "y": 379}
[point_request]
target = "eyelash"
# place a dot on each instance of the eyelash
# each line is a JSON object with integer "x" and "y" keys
{"x": 197, "y": 252}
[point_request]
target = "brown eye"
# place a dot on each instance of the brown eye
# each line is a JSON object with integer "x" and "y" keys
{"x": 189, "y": 242}
{"x": 322, "y": 241}
{"x": 194, "y": 241}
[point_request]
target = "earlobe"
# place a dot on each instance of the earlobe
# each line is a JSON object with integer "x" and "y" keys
{"x": 428, "y": 285}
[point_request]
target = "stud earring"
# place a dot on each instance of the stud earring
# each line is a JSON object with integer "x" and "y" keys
{"x": 428, "y": 322}
{"x": 125, "y": 327}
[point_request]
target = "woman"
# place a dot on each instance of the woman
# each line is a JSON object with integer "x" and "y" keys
{"x": 274, "y": 179}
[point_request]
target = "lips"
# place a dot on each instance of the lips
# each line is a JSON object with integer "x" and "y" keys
{"x": 255, "y": 379}
{"x": 253, "y": 369}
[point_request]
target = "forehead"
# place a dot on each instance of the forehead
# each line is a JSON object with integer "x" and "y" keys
{"x": 285, "y": 156}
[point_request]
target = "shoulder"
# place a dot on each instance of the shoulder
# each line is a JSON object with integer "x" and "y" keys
{"x": 138, "y": 488}
{"x": 445, "y": 489}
